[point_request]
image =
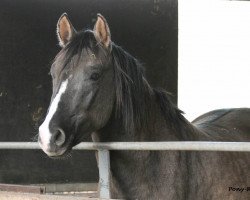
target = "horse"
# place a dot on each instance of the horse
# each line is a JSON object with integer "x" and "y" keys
{"x": 100, "y": 91}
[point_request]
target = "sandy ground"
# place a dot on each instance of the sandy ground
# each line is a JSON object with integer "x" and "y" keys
{"x": 28, "y": 196}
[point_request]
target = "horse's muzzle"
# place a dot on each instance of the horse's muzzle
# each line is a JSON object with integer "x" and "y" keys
{"x": 53, "y": 144}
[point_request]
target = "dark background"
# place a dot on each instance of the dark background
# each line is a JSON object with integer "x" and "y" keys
{"x": 147, "y": 29}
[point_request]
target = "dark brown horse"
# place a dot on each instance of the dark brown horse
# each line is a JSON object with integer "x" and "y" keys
{"x": 100, "y": 90}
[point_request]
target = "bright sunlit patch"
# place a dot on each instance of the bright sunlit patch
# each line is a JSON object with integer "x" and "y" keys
{"x": 214, "y": 61}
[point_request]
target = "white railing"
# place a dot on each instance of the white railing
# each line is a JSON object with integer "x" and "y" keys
{"x": 104, "y": 148}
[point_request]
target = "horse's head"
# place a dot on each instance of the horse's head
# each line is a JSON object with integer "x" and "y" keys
{"x": 83, "y": 88}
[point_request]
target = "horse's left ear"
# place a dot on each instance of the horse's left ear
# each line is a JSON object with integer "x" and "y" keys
{"x": 65, "y": 30}
{"x": 102, "y": 32}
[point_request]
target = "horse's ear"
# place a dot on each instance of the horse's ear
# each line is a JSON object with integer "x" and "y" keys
{"x": 101, "y": 31}
{"x": 65, "y": 30}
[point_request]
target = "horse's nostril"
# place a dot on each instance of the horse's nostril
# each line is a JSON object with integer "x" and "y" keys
{"x": 59, "y": 137}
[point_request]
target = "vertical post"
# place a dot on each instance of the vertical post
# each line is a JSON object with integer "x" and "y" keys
{"x": 104, "y": 173}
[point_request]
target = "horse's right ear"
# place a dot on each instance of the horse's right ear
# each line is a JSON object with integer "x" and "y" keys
{"x": 65, "y": 30}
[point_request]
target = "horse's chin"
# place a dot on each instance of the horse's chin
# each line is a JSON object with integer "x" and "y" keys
{"x": 83, "y": 138}
{"x": 66, "y": 154}
{"x": 77, "y": 142}
{"x": 62, "y": 153}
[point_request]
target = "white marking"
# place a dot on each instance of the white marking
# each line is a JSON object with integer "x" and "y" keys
{"x": 44, "y": 131}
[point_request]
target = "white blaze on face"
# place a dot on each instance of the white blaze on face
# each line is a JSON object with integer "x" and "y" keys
{"x": 44, "y": 131}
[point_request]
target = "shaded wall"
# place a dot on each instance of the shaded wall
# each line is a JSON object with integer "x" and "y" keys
{"x": 28, "y": 44}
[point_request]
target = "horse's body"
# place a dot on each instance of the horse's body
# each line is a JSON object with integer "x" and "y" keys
{"x": 183, "y": 175}
{"x": 100, "y": 90}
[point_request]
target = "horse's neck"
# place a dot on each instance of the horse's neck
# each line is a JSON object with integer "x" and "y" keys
{"x": 131, "y": 170}
{"x": 158, "y": 129}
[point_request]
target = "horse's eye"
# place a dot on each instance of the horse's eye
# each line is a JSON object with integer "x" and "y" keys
{"x": 95, "y": 76}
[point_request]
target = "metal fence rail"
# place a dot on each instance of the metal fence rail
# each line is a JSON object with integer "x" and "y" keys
{"x": 157, "y": 146}
{"x": 104, "y": 148}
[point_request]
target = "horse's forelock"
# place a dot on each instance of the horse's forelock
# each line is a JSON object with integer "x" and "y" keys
{"x": 82, "y": 41}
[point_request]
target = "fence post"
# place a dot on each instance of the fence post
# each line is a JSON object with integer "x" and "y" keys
{"x": 104, "y": 173}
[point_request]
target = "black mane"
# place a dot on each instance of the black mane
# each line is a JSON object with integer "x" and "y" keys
{"x": 81, "y": 41}
{"x": 134, "y": 95}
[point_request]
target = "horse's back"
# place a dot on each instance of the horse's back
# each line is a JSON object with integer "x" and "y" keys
{"x": 226, "y": 170}
{"x": 225, "y": 124}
